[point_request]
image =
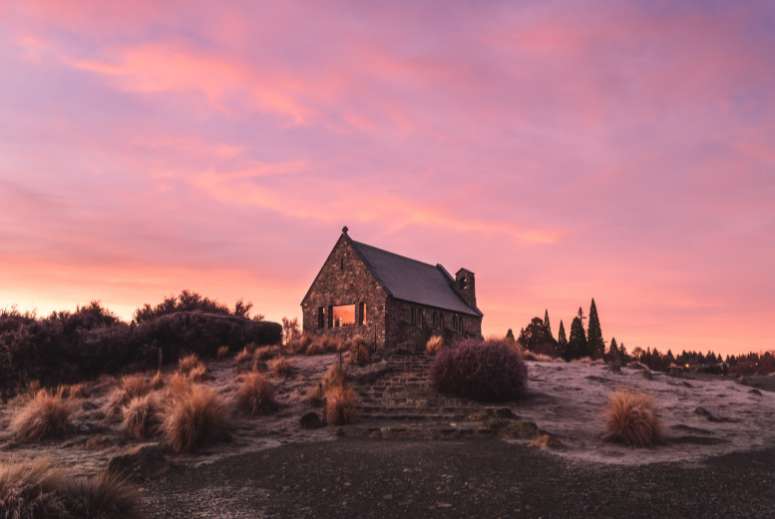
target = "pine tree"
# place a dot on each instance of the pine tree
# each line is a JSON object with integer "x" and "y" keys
{"x": 577, "y": 346}
{"x": 613, "y": 351}
{"x": 547, "y": 324}
{"x": 562, "y": 339}
{"x": 596, "y": 344}
{"x": 510, "y": 336}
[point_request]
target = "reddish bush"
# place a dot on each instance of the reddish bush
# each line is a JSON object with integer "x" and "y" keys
{"x": 491, "y": 371}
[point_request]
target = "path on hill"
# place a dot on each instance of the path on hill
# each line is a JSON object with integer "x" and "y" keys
{"x": 482, "y": 478}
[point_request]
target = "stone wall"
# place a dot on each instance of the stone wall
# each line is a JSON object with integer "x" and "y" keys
{"x": 408, "y": 334}
{"x": 343, "y": 280}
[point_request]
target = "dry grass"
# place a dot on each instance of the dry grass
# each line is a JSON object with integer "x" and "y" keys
{"x": 324, "y": 344}
{"x": 335, "y": 375}
{"x": 299, "y": 345}
{"x": 131, "y": 386}
{"x": 141, "y": 417}
{"x": 631, "y": 418}
{"x": 46, "y": 415}
{"x": 222, "y": 353}
{"x": 196, "y": 417}
{"x": 281, "y": 367}
{"x": 157, "y": 381}
{"x": 75, "y": 391}
{"x": 190, "y": 363}
{"x": 243, "y": 356}
{"x": 265, "y": 353}
{"x": 434, "y": 344}
{"x": 37, "y": 491}
{"x": 198, "y": 373}
{"x": 340, "y": 405}
{"x": 255, "y": 395}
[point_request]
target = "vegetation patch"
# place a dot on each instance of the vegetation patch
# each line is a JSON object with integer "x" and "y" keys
{"x": 46, "y": 415}
{"x": 196, "y": 417}
{"x": 631, "y": 418}
{"x": 255, "y": 395}
{"x": 489, "y": 371}
{"x": 37, "y": 491}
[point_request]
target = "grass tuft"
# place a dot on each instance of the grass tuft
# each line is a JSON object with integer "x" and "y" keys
{"x": 46, "y": 415}
{"x": 141, "y": 417}
{"x": 631, "y": 418}
{"x": 340, "y": 405}
{"x": 255, "y": 395}
{"x": 196, "y": 417}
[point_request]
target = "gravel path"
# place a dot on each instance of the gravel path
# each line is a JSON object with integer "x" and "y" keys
{"x": 483, "y": 478}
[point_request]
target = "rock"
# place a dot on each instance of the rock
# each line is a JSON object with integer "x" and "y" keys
{"x": 514, "y": 429}
{"x": 755, "y": 392}
{"x": 505, "y": 412}
{"x": 142, "y": 462}
{"x": 311, "y": 420}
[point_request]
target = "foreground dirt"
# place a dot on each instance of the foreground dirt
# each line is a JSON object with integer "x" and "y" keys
{"x": 477, "y": 478}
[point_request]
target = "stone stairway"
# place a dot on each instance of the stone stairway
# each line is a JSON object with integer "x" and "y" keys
{"x": 403, "y": 404}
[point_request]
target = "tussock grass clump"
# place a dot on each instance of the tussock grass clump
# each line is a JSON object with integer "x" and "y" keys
{"x": 631, "y": 418}
{"x": 434, "y": 344}
{"x": 340, "y": 405}
{"x": 324, "y": 344}
{"x": 222, "y": 352}
{"x": 281, "y": 367}
{"x": 190, "y": 363}
{"x": 46, "y": 415}
{"x": 488, "y": 371}
{"x": 141, "y": 417}
{"x": 299, "y": 345}
{"x": 196, "y": 417}
{"x": 198, "y": 373}
{"x": 335, "y": 375}
{"x": 75, "y": 391}
{"x": 130, "y": 386}
{"x": 255, "y": 395}
{"x": 37, "y": 491}
{"x": 265, "y": 353}
{"x": 243, "y": 356}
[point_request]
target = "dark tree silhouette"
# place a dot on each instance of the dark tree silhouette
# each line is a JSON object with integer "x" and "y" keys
{"x": 536, "y": 337}
{"x": 547, "y": 324}
{"x": 577, "y": 346}
{"x": 595, "y": 341}
{"x": 562, "y": 339}
{"x": 613, "y": 351}
{"x": 510, "y": 336}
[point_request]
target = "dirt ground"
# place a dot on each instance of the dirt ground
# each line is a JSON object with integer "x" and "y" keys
{"x": 477, "y": 478}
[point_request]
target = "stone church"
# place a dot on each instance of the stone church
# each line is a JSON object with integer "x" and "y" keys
{"x": 394, "y": 302}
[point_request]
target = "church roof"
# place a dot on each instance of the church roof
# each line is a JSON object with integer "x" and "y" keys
{"x": 414, "y": 281}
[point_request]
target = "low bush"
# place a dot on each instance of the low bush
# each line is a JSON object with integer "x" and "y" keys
{"x": 324, "y": 344}
{"x": 490, "y": 371}
{"x": 265, "y": 353}
{"x": 243, "y": 356}
{"x": 631, "y": 418}
{"x": 141, "y": 417}
{"x": 195, "y": 418}
{"x": 46, "y": 415}
{"x": 340, "y": 405}
{"x": 37, "y": 491}
{"x": 69, "y": 347}
{"x": 335, "y": 375}
{"x": 189, "y": 363}
{"x": 299, "y": 345}
{"x": 434, "y": 344}
{"x": 255, "y": 395}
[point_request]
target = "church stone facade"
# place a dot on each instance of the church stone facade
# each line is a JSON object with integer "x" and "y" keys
{"x": 394, "y": 302}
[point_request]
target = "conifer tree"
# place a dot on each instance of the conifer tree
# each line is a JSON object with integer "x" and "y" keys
{"x": 510, "y": 336}
{"x": 595, "y": 341}
{"x": 547, "y": 324}
{"x": 577, "y": 346}
{"x": 562, "y": 339}
{"x": 613, "y": 351}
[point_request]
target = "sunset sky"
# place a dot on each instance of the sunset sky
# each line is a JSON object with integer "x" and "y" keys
{"x": 561, "y": 150}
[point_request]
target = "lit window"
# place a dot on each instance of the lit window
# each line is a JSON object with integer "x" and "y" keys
{"x": 344, "y": 315}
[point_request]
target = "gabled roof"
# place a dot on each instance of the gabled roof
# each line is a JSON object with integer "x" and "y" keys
{"x": 412, "y": 280}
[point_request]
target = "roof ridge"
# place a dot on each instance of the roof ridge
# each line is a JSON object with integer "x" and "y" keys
{"x": 394, "y": 254}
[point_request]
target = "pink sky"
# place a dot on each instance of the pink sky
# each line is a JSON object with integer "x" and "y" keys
{"x": 561, "y": 150}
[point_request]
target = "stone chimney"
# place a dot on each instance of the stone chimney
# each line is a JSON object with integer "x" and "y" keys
{"x": 466, "y": 284}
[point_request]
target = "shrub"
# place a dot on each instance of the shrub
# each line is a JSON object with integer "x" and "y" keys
{"x": 434, "y": 344}
{"x": 222, "y": 353}
{"x": 178, "y": 384}
{"x": 281, "y": 367}
{"x": 74, "y": 391}
{"x": 195, "y": 418}
{"x": 491, "y": 371}
{"x": 141, "y": 417}
{"x": 37, "y": 491}
{"x": 299, "y": 345}
{"x": 631, "y": 418}
{"x": 46, "y": 415}
{"x": 255, "y": 395}
{"x": 243, "y": 356}
{"x": 188, "y": 363}
{"x": 340, "y": 405}
{"x": 265, "y": 353}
